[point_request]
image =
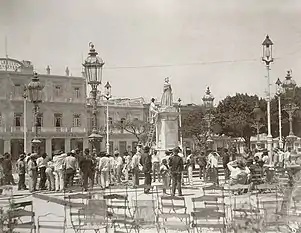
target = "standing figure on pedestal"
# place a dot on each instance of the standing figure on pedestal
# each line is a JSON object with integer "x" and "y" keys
{"x": 167, "y": 99}
{"x": 153, "y": 112}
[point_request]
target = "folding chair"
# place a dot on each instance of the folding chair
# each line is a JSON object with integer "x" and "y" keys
{"x": 145, "y": 215}
{"x": 77, "y": 203}
{"x": 119, "y": 212}
{"x": 58, "y": 224}
{"x": 174, "y": 222}
{"x": 208, "y": 219}
{"x": 173, "y": 204}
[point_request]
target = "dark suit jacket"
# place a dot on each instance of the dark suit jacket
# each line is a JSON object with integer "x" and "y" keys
{"x": 146, "y": 162}
{"x": 176, "y": 164}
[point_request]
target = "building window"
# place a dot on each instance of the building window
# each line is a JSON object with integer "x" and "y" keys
{"x": 76, "y": 120}
{"x": 57, "y": 91}
{"x": 0, "y": 119}
{"x": 76, "y": 92}
{"x": 110, "y": 121}
{"x": 58, "y": 120}
{"x": 40, "y": 120}
{"x": 17, "y": 119}
{"x": 18, "y": 90}
{"x": 136, "y": 119}
{"x": 122, "y": 121}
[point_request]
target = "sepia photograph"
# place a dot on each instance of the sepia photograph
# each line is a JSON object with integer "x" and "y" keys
{"x": 138, "y": 116}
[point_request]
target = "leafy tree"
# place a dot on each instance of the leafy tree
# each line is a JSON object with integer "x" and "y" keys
{"x": 195, "y": 126}
{"x": 235, "y": 115}
{"x": 136, "y": 127}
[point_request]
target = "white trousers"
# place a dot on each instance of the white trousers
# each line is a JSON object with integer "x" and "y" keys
{"x": 190, "y": 177}
{"x": 59, "y": 179}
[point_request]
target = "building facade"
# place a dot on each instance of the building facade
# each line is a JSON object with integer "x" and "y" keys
{"x": 64, "y": 115}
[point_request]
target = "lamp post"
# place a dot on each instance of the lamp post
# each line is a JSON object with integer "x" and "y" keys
{"x": 208, "y": 103}
{"x": 258, "y": 114}
{"x": 278, "y": 93}
{"x": 93, "y": 71}
{"x": 180, "y": 124}
{"x": 289, "y": 85}
{"x": 108, "y": 95}
{"x": 267, "y": 58}
{"x": 25, "y": 96}
{"x": 35, "y": 88}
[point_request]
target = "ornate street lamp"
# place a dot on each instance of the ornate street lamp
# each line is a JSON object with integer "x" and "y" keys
{"x": 289, "y": 85}
{"x": 93, "y": 72}
{"x": 258, "y": 115}
{"x": 108, "y": 95}
{"x": 208, "y": 103}
{"x": 35, "y": 89}
{"x": 180, "y": 123}
{"x": 267, "y": 58}
{"x": 279, "y": 91}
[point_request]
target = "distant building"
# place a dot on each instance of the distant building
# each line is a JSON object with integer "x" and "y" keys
{"x": 65, "y": 116}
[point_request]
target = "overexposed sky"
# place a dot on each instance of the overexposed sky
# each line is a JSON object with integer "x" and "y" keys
{"x": 195, "y": 42}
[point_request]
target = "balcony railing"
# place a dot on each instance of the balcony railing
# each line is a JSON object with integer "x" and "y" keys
{"x": 14, "y": 129}
{"x": 51, "y": 129}
{"x": 78, "y": 130}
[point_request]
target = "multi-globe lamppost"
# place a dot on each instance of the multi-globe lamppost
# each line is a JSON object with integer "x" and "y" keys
{"x": 35, "y": 88}
{"x": 289, "y": 86}
{"x": 180, "y": 124}
{"x": 93, "y": 71}
{"x": 279, "y": 91}
{"x": 107, "y": 95}
{"x": 208, "y": 103}
{"x": 267, "y": 58}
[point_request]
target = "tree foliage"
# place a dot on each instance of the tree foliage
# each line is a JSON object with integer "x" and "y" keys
{"x": 136, "y": 127}
{"x": 235, "y": 115}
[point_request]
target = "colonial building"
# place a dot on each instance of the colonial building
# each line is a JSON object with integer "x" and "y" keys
{"x": 62, "y": 121}
{"x": 64, "y": 118}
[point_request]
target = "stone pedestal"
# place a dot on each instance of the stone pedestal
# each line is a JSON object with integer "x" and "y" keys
{"x": 167, "y": 130}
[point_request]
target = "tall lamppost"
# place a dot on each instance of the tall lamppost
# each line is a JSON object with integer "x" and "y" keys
{"x": 208, "y": 103}
{"x": 180, "y": 123}
{"x": 108, "y": 95}
{"x": 35, "y": 88}
{"x": 278, "y": 93}
{"x": 258, "y": 114}
{"x": 93, "y": 71}
{"x": 25, "y": 96}
{"x": 267, "y": 58}
{"x": 289, "y": 85}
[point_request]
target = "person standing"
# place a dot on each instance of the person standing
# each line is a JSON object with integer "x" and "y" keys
{"x": 146, "y": 162}
{"x": 119, "y": 164}
{"x": 8, "y": 170}
{"x": 59, "y": 173}
{"x": 135, "y": 165}
{"x": 33, "y": 173}
{"x": 176, "y": 169}
{"x": 86, "y": 166}
{"x": 70, "y": 169}
{"x": 164, "y": 172}
{"x": 50, "y": 175}
{"x": 156, "y": 166}
{"x": 202, "y": 162}
{"x": 127, "y": 164}
{"x": 21, "y": 172}
{"x": 189, "y": 166}
{"x": 104, "y": 168}
{"x": 213, "y": 166}
{"x": 42, "y": 164}
{"x": 226, "y": 160}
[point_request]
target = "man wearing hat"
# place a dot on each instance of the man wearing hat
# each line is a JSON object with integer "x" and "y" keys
{"x": 135, "y": 165}
{"x": 176, "y": 168}
{"x": 21, "y": 172}
{"x": 146, "y": 162}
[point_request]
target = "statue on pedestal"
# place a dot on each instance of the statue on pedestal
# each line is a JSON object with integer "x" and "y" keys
{"x": 167, "y": 100}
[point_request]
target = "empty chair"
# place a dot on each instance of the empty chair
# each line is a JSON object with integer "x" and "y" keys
{"x": 52, "y": 222}
{"x": 208, "y": 219}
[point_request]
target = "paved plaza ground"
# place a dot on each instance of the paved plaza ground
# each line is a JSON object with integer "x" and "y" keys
{"x": 52, "y": 202}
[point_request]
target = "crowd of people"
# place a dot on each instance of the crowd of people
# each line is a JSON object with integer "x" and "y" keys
{"x": 60, "y": 171}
